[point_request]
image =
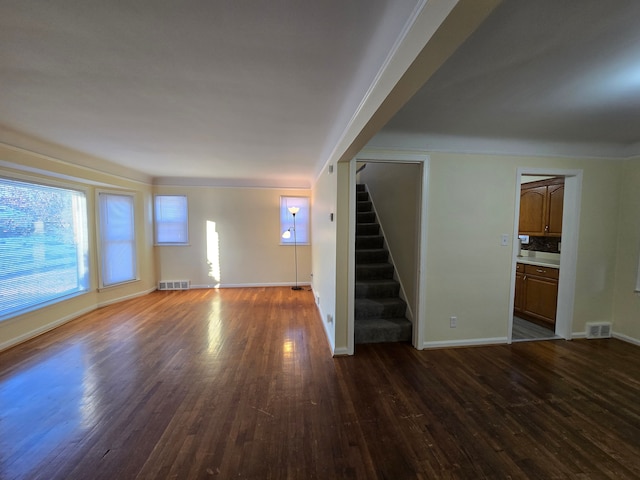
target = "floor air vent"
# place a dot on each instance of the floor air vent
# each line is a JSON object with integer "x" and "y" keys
{"x": 174, "y": 285}
{"x": 599, "y": 330}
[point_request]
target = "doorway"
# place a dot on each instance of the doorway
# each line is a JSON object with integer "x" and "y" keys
{"x": 545, "y": 272}
{"x": 415, "y": 273}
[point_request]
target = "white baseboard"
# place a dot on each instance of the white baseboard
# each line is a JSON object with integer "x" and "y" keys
{"x": 577, "y": 335}
{"x": 338, "y": 352}
{"x": 126, "y": 297}
{"x": 626, "y": 338}
{"x": 45, "y": 328}
{"x": 472, "y": 342}
{"x": 249, "y": 285}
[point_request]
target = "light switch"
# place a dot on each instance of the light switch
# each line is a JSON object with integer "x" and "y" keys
{"x": 504, "y": 239}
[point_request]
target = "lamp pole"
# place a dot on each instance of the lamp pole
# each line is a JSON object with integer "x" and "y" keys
{"x": 295, "y": 246}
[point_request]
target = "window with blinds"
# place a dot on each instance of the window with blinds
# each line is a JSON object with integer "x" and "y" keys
{"x": 171, "y": 220}
{"x": 117, "y": 238}
{"x": 294, "y": 229}
{"x": 43, "y": 245}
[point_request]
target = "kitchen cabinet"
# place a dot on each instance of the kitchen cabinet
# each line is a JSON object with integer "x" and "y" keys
{"x": 536, "y": 296}
{"x": 541, "y": 208}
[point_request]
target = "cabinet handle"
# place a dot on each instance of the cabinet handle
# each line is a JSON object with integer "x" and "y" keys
{"x": 539, "y": 270}
{"x": 524, "y": 278}
{"x": 546, "y": 228}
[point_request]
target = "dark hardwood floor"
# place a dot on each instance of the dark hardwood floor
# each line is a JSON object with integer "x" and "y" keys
{"x": 239, "y": 383}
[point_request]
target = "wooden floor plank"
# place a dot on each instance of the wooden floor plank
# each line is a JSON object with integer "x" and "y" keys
{"x": 239, "y": 383}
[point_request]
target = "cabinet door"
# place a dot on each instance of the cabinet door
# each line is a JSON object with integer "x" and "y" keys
{"x": 555, "y": 205}
{"x": 532, "y": 211}
{"x": 541, "y": 299}
{"x": 518, "y": 302}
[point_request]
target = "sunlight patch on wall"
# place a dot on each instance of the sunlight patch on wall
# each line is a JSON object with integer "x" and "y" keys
{"x": 213, "y": 252}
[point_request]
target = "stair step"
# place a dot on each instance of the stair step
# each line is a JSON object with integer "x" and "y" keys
{"x": 379, "y": 288}
{"x": 360, "y": 187}
{"x": 369, "y": 241}
{"x": 362, "y": 196}
{"x": 392, "y": 307}
{"x": 367, "y": 229}
{"x": 371, "y": 255}
{"x": 363, "y": 207}
{"x": 379, "y": 330}
{"x": 374, "y": 271}
{"x": 365, "y": 217}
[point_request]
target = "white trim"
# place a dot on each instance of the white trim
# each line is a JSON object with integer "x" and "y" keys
{"x": 466, "y": 343}
{"x": 126, "y": 297}
{"x": 351, "y": 260}
{"x": 339, "y": 352}
{"x": 143, "y": 178}
{"x": 290, "y": 184}
{"x": 45, "y": 328}
{"x": 568, "y": 258}
{"x": 250, "y": 285}
{"x": 626, "y": 338}
{"x": 578, "y": 335}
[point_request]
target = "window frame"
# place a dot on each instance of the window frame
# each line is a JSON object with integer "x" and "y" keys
{"x": 83, "y": 248}
{"x": 100, "y": 244}
{"x": 303, "y": 217}
{"x": 156, "y": 223}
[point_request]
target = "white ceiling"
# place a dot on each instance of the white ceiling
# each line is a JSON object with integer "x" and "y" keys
{"x": 261, "y": 92}
{"x": 543, "y": 71}
{"x": 235, "y": 90}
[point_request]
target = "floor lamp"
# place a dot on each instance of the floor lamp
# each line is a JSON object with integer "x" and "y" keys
{"x": 287, "y": 234}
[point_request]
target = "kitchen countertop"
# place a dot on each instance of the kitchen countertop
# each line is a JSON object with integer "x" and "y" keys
{"x": 551, "y": 260}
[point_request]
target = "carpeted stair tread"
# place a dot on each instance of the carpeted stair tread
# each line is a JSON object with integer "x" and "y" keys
{"x": 369, "y": 241}
{"x": 368, "y": 229}
{"x": 372, "y": 271}
{"x": 371, "y": 255}
{"x": 379, "y": 330}
{"x": 391, "y": 307}
{"x": 377, "y": 288}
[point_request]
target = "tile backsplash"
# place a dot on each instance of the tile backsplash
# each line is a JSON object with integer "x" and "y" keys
{"x": 543, "y": 244}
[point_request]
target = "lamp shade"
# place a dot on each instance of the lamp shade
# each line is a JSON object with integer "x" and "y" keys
{"x": 287, "y": 234}
{"x": 294, "y": 210}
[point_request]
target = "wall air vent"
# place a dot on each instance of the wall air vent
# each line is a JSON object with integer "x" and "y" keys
{"x": 174, "y": 285}
{"x": 599, "y": 330}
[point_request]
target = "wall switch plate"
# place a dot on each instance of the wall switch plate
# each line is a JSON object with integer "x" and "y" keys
{"x": 504, "y": 239}
{"x": 453, "y": 322}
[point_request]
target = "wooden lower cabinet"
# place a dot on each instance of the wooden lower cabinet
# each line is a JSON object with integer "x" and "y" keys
{"x": 536, "y": 296}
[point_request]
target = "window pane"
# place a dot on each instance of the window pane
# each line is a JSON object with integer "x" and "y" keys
{"x": 300, "y": 233}
{"x": 117, "y": 230}
{"x": 171, "y": 219}
{"x": 43, "y": 245}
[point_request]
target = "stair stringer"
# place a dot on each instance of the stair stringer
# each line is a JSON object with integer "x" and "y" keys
{"x": 396, "y": 277}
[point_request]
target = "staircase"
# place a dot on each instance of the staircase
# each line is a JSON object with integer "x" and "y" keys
{"x": 379, "y": 311}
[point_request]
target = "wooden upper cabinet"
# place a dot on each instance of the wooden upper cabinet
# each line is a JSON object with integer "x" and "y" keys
{"x": 556, "y": 202}
{"x": 541, "y": 208}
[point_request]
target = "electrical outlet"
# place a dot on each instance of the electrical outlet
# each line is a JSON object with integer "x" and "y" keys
{"x": 504, "y": 239}
{"x": 453, "y": 322}
{"x": 318, "y": 299}
{"x": 329, "y": 318}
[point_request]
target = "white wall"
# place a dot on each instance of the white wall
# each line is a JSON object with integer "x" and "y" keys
{"x": 15, "y": 161}
{"x": 246, "y": 243}
{"x": 626, "y": 302}
{"x": 323, "y": 231}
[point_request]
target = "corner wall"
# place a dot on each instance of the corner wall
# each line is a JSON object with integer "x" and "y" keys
{"x": 627, "y": 302}
{"x": 18, "y": 162}
{"x": 234, "y": 239}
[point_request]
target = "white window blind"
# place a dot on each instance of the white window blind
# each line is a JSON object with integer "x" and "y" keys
{"x": 117, "y": 238}
{"x": 171, "y": 220}
{"x": 43, "y": 245}
{"x": 301, "y": 234}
